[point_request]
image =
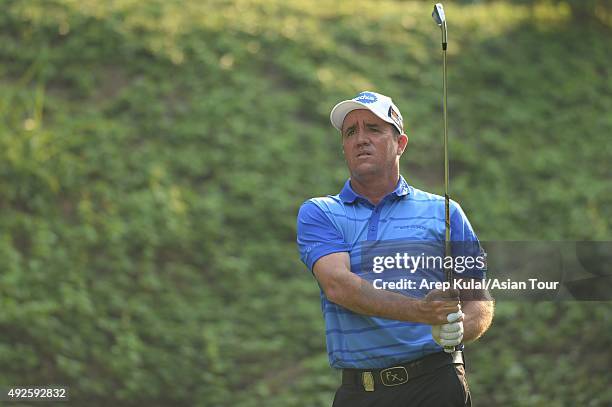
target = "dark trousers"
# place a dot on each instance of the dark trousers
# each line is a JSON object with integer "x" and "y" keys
{"x": 445, "y": 387}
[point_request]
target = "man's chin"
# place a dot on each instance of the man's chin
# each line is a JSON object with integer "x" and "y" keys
{"x": 364, "y": 170}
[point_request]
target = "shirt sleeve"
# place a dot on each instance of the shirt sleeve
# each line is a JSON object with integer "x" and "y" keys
{"x": 465, "y": 244}
{"x": 317, "y": 236}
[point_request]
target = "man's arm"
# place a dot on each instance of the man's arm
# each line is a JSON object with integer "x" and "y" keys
{"x": 343, "y": 287}
{"x": 477, "y": 306}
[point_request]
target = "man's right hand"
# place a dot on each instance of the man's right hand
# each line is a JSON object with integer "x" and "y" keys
{"x": 437, "y": 305}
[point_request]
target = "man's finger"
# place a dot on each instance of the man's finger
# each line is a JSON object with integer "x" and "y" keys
{"x": 455, "y": 316}
{"x": 447, "y": 342}
{"x": 454, "y": 327}
{"x": 451, "y": 335}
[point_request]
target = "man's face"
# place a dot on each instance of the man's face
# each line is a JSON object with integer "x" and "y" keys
{"x": 370, "y": 147}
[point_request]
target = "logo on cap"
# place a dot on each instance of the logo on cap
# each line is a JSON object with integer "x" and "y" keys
{"x": 394, "y": 115}
{"x": 366, "y": 97}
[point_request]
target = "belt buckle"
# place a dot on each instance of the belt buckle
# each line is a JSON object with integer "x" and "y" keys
{"x": 368, "y": 381}
{"x": 394, "y": 376}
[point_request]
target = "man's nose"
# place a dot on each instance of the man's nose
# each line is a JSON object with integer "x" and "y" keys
{"x": 363, "y": 137}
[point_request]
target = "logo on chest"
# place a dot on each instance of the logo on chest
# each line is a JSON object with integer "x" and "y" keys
{"x": 409, "y": 227}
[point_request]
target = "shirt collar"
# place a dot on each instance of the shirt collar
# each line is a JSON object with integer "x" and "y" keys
{"x": 349, "y": 196}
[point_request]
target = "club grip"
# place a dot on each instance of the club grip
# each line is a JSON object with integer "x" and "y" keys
{"x": 451, "y": 349}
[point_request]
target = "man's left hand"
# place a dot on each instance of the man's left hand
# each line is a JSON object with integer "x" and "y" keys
{"x": 451, "y": 334}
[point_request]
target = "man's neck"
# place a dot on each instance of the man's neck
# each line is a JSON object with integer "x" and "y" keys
{"x": 374, "y": 189}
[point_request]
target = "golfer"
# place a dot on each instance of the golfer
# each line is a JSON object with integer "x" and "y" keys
{"x": 394, "y": 347}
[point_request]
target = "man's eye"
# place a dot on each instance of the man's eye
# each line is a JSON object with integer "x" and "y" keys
{"x": 350, "y": 133}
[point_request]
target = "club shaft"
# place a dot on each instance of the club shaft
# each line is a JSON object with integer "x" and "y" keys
{"x": 440, "y": 19}
{"x": 447, "y": 238}
{"x": 447, "y": 248}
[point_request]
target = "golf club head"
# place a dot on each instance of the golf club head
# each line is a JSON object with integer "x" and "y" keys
{"x": 440, "y": 19}
{"x": 438, "y": 14}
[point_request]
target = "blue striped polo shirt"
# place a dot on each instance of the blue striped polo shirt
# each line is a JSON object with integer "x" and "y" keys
{"x": 348, "y": 222}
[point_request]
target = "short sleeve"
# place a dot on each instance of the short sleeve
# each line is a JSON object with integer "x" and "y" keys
{"x": 465, "y": 243}
{"x": 317, "y": 236}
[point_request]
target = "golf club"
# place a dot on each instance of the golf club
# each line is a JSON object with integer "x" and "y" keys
{"x": 440, "y": 19}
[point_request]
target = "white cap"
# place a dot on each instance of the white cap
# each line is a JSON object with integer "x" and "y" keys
{"x": 381, "y": 105}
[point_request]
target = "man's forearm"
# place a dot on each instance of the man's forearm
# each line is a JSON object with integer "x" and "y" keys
{"x": 477, "y": 319}
{"x": 345, "y": 288}
{"x": 361, "y": 297}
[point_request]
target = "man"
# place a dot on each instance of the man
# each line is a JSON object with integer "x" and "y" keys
{"x": 388, "y": 343}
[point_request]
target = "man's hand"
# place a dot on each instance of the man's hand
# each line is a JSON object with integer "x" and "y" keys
{"x": 437, "y": 306}
{"x": 451, "y": 334}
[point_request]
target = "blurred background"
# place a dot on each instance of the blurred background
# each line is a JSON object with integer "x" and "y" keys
{"x": 154, "y": 154}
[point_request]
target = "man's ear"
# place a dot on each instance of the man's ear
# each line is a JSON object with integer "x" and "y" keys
{"x": 402, "y": 142}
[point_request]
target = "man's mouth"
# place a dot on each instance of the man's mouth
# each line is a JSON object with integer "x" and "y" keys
{"x": 363, "y": 154}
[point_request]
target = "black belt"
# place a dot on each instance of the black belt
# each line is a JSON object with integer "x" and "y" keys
{"x": 400, "y": 374}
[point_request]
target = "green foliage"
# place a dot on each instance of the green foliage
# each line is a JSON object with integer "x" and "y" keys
{"x": 154, "y": 155}
{"x": 581, "y": 11}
